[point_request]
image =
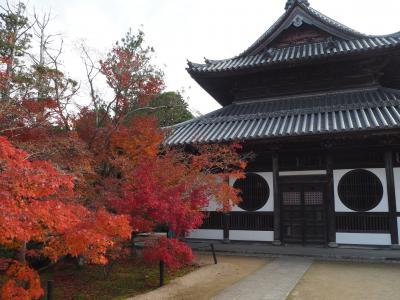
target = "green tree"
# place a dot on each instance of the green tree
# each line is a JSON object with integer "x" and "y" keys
{"x": 34, "y": 90}
{"x": 14, "y": 42}
{"x": 170, "y": 108}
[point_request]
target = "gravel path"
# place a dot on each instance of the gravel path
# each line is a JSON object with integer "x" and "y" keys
{"x": 259, "y": 278}
{"x": 355, "y": 281}
{"x": 209, "y": 280}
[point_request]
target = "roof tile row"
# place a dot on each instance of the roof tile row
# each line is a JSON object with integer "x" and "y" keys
{"x": 297, "y": 53}
{"x": 231, "y": 123}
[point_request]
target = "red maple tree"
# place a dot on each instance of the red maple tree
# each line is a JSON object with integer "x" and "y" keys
{"x": 171, "y": 187}
{"x": 141, "y": 177}
{"x": 110, "y": 155}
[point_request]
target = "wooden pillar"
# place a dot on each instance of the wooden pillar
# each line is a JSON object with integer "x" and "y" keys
{"x": 330, "y": 205}
{"x": 226, "y": 222}
{"x": 277, "y": 206}
{"x": 391, "y": 197}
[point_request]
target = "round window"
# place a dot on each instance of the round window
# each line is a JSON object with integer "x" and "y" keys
{"x": 254, "y": 192}
{"x": 360, "y": 190}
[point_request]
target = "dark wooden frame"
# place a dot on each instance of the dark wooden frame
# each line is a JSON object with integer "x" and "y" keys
{"x": 277, "y": 206}
{"x": 330, "y": 201}
{"x": 391, "y": 196}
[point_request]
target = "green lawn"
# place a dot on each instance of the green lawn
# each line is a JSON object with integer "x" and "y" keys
{"x": 127, "y": 278}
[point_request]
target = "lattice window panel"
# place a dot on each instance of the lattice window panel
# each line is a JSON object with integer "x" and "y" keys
{"x": 291, "y": 198}
{"x": 313, "y": 198}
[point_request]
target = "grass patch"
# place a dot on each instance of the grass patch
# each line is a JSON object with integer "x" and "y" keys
{"x": 127, "y": 278}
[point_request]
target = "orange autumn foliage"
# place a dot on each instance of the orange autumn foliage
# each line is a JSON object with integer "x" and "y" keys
{"x": 140, "y": 139}
{"x": 24, "y": 284}
{"x": 35, "y": 206}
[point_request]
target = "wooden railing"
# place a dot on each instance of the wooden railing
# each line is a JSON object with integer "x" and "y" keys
{"x": 363, "y": 222}
{"x": 255, "y": 221}
{"x": 213, "y": 220}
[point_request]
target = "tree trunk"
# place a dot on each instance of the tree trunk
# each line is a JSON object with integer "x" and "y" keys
{"x": 22, "y": 254}
{"x": 133, "y": 246}
{"x": 80, "y": 262}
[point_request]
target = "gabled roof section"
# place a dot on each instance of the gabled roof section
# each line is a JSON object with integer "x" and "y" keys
{"x": 298, "y": 14}
{"x": 338, "y": 39}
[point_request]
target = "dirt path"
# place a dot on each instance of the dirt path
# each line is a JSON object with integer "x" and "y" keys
{"x": 335, "y": 280}
{"x": 209, "y": 280}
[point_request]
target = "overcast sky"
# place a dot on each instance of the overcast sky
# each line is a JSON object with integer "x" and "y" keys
{"x": 193, "y": 29}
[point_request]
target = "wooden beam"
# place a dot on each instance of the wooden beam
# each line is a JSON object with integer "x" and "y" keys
{"x": 277, "y": 206}
{"x": 330, "y": 202}
{"x": 391, "y": 197}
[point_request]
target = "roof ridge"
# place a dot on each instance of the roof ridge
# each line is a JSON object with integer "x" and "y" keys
{"x": 290, "y": 3}
{"x": 362, "y": 35}
{"x": 334, "y": 22}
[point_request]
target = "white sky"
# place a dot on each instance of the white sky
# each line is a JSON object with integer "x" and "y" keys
{"x": 193, "y": 29}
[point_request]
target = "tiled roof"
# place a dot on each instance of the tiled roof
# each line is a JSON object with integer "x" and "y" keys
{"x": 261, "y": 54}
{"x": 335, "y": 112}
{"x": 298, "y": 53}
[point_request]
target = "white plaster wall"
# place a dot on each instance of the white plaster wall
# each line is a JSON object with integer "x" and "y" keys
{"x": 398, "y": 227}
{"x": 212, "y": 206}
{"x": 363, "y": 238}
{"x": 302, "y": 173}
{"x": 269, "y": 206}
{"x": 206, "y": 234}
{"x": 397, "y": 187}
{"x": 246, "y": 235}
{"x": 382, "y": 206}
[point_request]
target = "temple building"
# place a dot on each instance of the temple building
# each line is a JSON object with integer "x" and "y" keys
{"x": 318, "y": 103}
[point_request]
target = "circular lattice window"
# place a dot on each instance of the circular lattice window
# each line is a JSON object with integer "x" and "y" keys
{"x": 254, "y": 191}
{"x": 360, "y": 190}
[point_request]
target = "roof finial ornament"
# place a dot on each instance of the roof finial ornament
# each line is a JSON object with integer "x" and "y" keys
{"x": 290, "y": 3}
{"x": 189, "y": 63}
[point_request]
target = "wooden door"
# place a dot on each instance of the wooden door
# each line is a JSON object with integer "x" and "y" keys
{"x": 303, "y": 213}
